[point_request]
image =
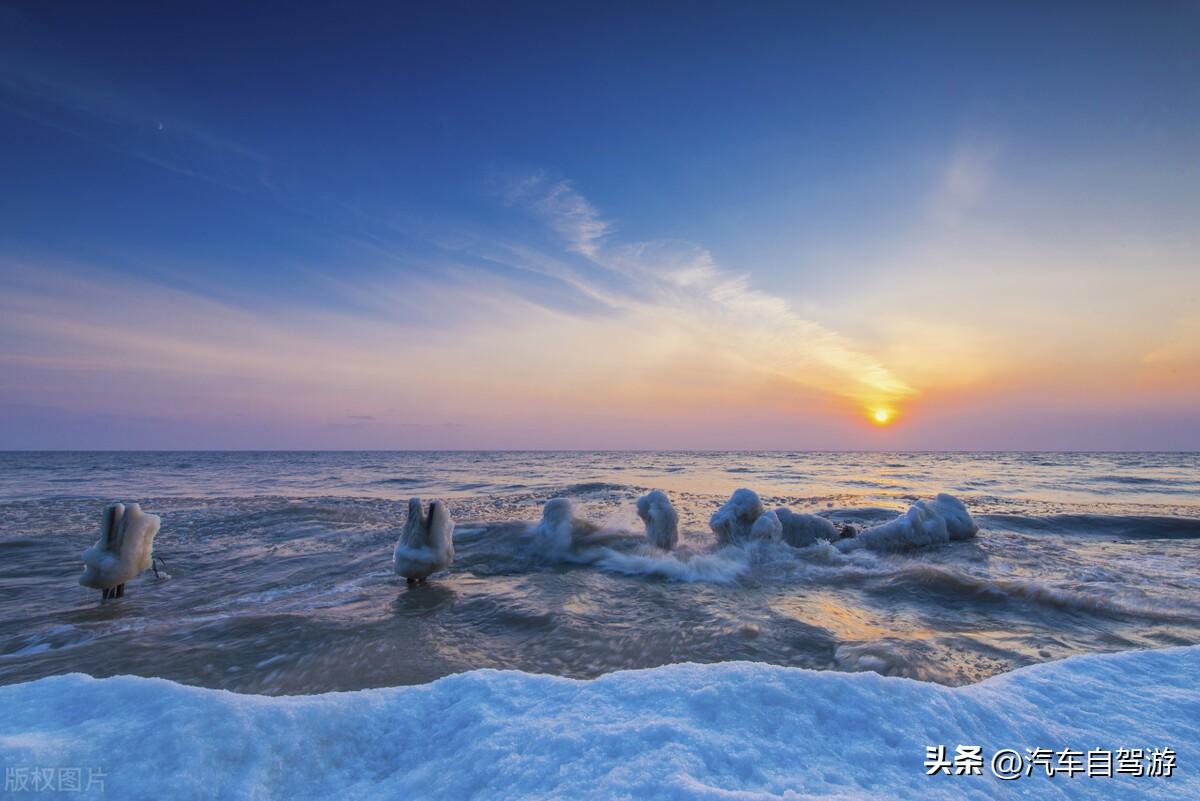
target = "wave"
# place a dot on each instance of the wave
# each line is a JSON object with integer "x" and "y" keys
{"x": 959, "y": 582}
{"x": 1116, "y": 526}
{"x": 722, "y": 567}
{"x": 593, "y": 487}
{"x": 1146, "y": 481}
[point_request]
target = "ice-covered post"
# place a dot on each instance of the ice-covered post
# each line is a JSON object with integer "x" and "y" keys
{"x": 124, "y": 549}
{"x": 426, "y": 543}
{"x": 661, "y": 519}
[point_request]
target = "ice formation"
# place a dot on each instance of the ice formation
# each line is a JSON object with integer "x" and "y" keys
{"x": 560, "y": 527}
{"x": 802, "y": 530}
{"x": 935, "y": 522}
{"x": 734, "y": 730}
{"x": 766, "y": 527}
{"x": 123, "y": 550}
{"x": 661, "y": 519}
{"x": 426, "y": 543}
{"x": 734, "y": 522}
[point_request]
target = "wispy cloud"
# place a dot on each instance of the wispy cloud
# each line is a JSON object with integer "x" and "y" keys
{"x": 679, "y": 338}
{"x": 682, "y": 283}
{"x": 564, "y": 209}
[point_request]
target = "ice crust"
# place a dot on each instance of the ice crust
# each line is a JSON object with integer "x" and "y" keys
{"x": 735, "y": 730}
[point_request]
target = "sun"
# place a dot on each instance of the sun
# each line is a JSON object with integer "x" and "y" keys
{"x": 882, "y": 416}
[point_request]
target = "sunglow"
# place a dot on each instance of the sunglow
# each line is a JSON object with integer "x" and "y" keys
{"x": 882, "y": 416}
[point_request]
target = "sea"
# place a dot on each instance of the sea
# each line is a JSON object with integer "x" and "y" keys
{"x": 276, "y": 573}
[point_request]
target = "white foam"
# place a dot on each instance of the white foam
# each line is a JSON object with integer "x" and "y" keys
{"x": 735, "y": 730}
{"x": 722, "y": 567}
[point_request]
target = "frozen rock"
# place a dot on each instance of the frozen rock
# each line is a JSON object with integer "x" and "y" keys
{"x": 123, "y": 550}
{"x": 767, "y": 527}
{"x": 733, "y": 522}
{"x": 926, "y": 523}
{"x": 661, "y": 519}
{"x": 802, "y": 530}
{"x": 426, "y": 543}
{"x": 959, "y": 525}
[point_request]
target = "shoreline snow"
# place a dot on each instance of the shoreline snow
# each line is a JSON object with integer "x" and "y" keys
{"x": 733, "y": 730}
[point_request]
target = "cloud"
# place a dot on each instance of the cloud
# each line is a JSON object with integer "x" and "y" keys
{"x": 680, "y": 284}
{"x": 564, "y": 209}
{"x": 669, "y": 337}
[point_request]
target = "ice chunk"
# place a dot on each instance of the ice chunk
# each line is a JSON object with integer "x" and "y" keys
{"x": 123, "y": 550}
{"x": 733, "y": 522}
{"x": 562, "y": 534}
{"x": 959, "y": 525}
{"x": 556, "y": 531}
{"x": 802, "y": 530}
{"x": 426, "y": 543}
{"x": 925, "y": 523}
{"x": 661, "y": 519}
{"x": 766, "y": 527}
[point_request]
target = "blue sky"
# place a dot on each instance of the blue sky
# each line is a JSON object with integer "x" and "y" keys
{"x": 980, "y": 218}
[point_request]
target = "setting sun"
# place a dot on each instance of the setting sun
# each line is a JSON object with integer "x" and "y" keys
{"x": 882, "y": 416}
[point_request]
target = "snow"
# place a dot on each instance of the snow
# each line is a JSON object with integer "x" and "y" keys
{"x": 734, "y": 730}
{"x": 124, "y": 548}
{"x": 926, "y": 523}
{"x": 426, "y": 543}
{"x": 661, "y": 519}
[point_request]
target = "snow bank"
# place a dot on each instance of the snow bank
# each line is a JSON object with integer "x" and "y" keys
{"x": 935, "y": 522}
{"x": 661, "y": 519}
{"x": 124, "y": 548}
{"x": 426, "y": 543}
{"x": 727, "y": 731}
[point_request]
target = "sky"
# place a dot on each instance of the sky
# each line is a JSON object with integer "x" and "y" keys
{"x": 793, "y": 226}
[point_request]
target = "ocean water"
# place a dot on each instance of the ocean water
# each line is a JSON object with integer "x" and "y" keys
{"x": 281, "y": 577}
